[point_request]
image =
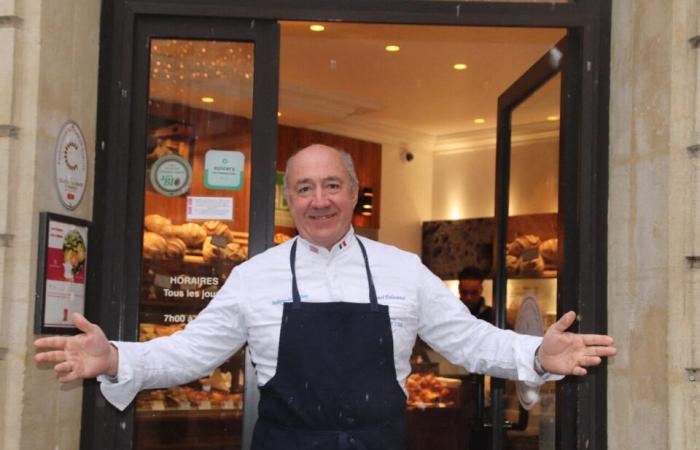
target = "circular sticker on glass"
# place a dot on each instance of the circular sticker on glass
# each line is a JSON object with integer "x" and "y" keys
{"x": 171, "y": 175}
{"x": 71, "y": 165}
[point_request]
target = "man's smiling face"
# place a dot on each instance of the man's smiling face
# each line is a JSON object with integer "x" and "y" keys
{"x": 321, "y": 195}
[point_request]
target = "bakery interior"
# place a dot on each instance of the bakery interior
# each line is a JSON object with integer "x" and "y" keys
{"x": 416, "y": 107}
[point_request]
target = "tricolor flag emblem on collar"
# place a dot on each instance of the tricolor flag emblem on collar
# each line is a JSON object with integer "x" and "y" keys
{"x": 313, "y": 249}
{"x": 342, "y": 244}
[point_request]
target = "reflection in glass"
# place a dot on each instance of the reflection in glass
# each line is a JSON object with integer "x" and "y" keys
{"x": 195, "y": 227}
{"x": 533, "y": 245}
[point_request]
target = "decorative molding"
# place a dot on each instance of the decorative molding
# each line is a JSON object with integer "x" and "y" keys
{"x": 8, "y": 130}
{"x": 469, "y": 141}
{"x": 10, "y": 21}
{"x": 695, "y": 41}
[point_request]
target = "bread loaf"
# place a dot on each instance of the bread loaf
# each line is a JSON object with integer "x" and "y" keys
{"x": 192, "y": 233}
{"x": 154, "y": 245}
{"x": 155, "y": 222}
{"x": 210, "y": 252}
{"x": 176, "y": 248}
{"x": 215, "y": 228}
{"x": 549, "y": 250}
{"x": 522, "y": 244}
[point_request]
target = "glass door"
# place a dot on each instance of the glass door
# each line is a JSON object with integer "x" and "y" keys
{"x": 529, "y": 238}
{"x": 204, "y": 139}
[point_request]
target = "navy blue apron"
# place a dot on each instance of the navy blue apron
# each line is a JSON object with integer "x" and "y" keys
{"x": 335, "y": 386}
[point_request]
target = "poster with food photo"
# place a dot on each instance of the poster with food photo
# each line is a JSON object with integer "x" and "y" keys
{"x": 62, "y": 276}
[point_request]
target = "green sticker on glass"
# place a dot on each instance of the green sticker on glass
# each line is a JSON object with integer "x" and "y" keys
{"x": 223, "y": 169}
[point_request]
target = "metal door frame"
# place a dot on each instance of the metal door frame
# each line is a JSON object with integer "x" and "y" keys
{"x": 582, "y": 424}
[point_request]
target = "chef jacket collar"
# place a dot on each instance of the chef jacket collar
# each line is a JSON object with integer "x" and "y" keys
{"x": 341, "y": 246}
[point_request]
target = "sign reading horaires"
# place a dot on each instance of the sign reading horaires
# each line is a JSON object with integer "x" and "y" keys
{"x": 71, "y": 165}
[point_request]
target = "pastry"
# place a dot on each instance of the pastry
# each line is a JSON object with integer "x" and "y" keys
{"x": 155, "y": 222}
{"x": 176, "y": 248}
{"x": 549, "y": 250}
{"x": 154, "y": 245}
{"x": 522, "y": 244}
{"x": 192, "y": 233}
{"x": 235, "y": 252}
{"x": 532, "y": 267}
{"x": 280, "y": 238}
{"x": 210, "y": 252}
{"x": 215, "y": 228}
{"x": 512, "y": 264}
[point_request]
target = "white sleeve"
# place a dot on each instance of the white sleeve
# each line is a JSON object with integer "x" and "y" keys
{"x": 448, "y": 327}
{"x": 217, "y": 333}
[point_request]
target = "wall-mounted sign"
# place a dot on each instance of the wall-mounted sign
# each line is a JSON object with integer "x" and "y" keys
{"x": 171, "y": 175}
{"x": 61, "y": 274}
{"x": 529, "y": 321}
{"x": 223, "y": 169}
{"x": 71, "y": 165}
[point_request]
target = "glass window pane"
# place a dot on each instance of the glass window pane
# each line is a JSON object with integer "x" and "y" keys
{"x": 195, "y": 226}
{"x": 532, "y": 251}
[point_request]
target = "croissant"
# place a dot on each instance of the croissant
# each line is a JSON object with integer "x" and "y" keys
{"x": 192, "y": 233}
{"x": 155, "y": 222}
{"x": 154, "y": 245}
{"x": 176, "y": 248}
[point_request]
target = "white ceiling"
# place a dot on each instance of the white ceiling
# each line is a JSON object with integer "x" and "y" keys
{"x": 343, "y": 79}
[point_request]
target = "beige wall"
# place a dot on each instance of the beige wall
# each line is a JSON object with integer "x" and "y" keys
{"x": 52, "y": 66}
{"x": 464, "y": 183}
{"x": 653, "y": 225}
{"x": 406, "y": 197}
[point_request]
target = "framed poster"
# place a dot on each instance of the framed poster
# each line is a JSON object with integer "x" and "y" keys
{"x": 61, "y": 273}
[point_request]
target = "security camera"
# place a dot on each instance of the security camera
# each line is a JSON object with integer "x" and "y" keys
{"x": 407, "y": 156}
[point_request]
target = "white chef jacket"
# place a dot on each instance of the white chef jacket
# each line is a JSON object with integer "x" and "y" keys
{"x": 248, "y": 309}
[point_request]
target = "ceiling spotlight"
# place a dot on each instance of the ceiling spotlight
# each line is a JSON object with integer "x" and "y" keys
{"x": 479, "y": 120}
{"x": 552, "y": 118}
{"x": 208, "y": 99}
{"x": 317, "y": 27}
{"x": 459, "y": 66}
{"x": 392, "y": 48}
{"x": 279, "y": 114}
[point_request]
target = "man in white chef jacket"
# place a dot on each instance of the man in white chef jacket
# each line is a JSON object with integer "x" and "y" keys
{"x": 329, "y": 299}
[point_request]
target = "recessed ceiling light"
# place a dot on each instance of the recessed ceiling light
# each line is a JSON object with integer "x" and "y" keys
{"x": 479, "y": 120}
{"x": 459, "y": 66}
{"x": 317, "y": 27}
{"x": 208, "y": 99}
{"x": 392, "y": 48}
{"x": 279, "y": 114}
{"x": 552, "y": 118}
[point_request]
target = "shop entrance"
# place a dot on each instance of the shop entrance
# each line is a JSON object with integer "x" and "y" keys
{"x": 418, "y": 107}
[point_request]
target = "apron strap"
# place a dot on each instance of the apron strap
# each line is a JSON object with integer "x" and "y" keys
{"x": 370, "y": 281}
{"x": 296, "y": 298}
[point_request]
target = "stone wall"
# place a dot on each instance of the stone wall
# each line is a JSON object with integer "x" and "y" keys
{"x": 653, "y": 226}
{"x": 48, "y": 75}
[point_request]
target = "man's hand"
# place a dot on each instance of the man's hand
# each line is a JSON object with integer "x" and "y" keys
{"x": 567, "y": 353}
{"x": 85, "y": 355}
